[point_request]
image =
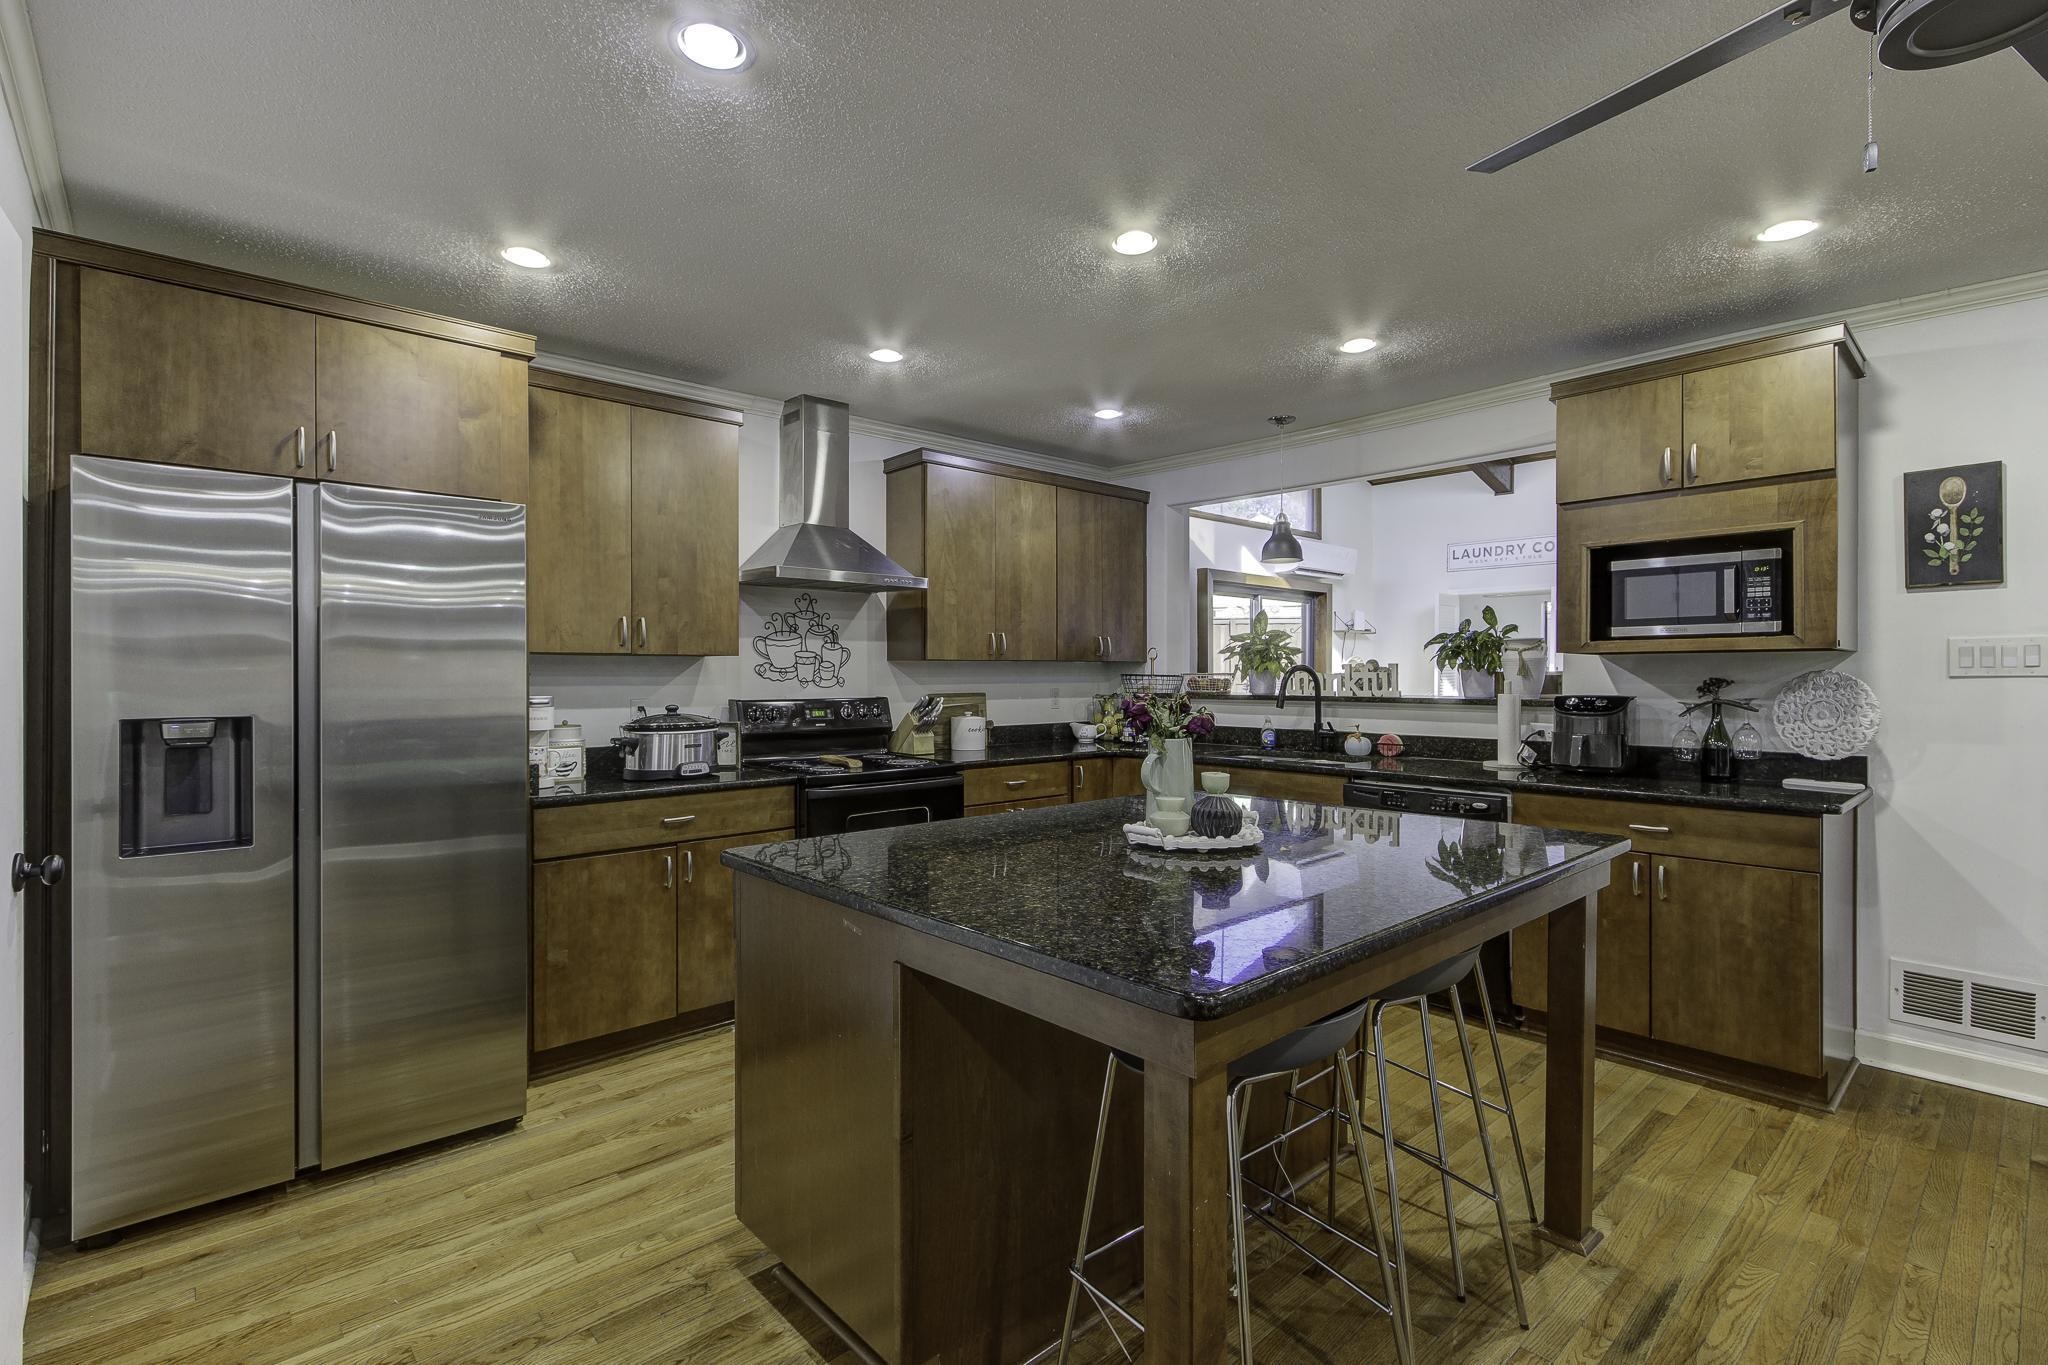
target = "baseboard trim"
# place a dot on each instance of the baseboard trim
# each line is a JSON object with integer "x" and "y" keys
{"x": 2015, "y": 1080}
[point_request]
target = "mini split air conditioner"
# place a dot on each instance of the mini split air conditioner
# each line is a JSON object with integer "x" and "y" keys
{"x": 1321, "y": 560}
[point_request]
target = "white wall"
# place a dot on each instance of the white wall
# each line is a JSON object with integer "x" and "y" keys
{"x": 1954, "y": 867}
{"x": 597, "y": 692}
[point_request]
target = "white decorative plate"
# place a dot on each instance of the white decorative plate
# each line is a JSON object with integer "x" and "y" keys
{"x": 1827, "y": 714}
{"x": 1144, "y": 836}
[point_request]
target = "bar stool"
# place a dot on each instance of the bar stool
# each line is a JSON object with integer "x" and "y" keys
{"x": 1416, "y": 990}
{"x": 1322, "y": 1042}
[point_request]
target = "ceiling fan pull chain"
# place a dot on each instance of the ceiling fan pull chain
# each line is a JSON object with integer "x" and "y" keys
{"x": 1870, "y": 110}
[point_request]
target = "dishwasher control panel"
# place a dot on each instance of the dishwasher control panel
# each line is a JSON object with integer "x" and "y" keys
{"x": 1470, "y": 805}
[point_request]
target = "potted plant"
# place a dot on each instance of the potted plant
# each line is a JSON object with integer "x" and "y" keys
{"x": 1475, "y": 654}
{"x": 1262, "y": 654}
{"x": 1169, "y": 723}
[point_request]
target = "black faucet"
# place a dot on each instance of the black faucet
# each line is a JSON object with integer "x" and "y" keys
{"x": 1316, "y": 680}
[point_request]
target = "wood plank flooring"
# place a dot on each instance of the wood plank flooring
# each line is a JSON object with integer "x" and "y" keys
{"x": 1912, "y": 1226}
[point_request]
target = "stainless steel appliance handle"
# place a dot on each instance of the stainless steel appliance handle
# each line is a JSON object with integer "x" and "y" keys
{"x": 853, "y": 822}
{"x": 300, "y": 442}
{"x": 643, "y": 631}
{"x": 668, "y": 871}
{"x": 1692, "y": 463}
{"x": 624, "y": 642}
{"x": 674, "y": 821}
{"x": 1663, "y": 884}
{"x": 1651, "y": 829}
{"x": 333, "y": 450}
{"x": 1635, "y": 878}
{"x": 1665, "y": 476}
{"x": 867, "y": 790}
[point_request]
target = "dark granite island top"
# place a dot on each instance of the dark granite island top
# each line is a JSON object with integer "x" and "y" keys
{"x": 1060, "y": 891}
{"x": 922, "y": 1024}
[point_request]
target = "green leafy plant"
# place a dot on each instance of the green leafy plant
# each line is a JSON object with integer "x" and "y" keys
{"x": 1472, "y": 868}
{"x": 1479, "y": 650}
{"x": 1262, "y": 649}
{"x": 1956, "y": 547}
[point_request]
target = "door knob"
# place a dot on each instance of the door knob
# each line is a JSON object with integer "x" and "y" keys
{"x": 49, "y": 870}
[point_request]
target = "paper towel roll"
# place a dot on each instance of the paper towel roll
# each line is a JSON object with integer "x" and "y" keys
{"x": 1507, "y": 729}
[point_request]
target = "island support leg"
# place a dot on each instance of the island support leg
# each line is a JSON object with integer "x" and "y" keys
{"x": 1187, "y": 1307}
{"x": 1568, "y": 1079}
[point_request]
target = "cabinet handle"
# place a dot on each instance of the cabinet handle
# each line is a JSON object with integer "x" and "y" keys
{"x": 668, "y": 871}
{"x": 333, "y": 450}
{"x": 1080, "y": 775}
{"x": 643, "y": 632}
{"x": 689, "y": 866}
{"x": 1665, "y": 477}
{"x": 1692, "y": 463}
{"x": 1016, "y": 782}
{"x": 991, "y": 644}
{"x": 623, "y": 642}
{"x": 1663, "y": 882}
{"x": 300, "y": 441}
{"x": 1651, "y": 829}
{"x": 675, "y": 821}
{"x": 1003, "y": 643}
{"x": 1635, "y": 878}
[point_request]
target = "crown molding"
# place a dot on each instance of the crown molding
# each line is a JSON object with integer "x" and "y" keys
{"x": 754, "y": 405}
{"x": 28, "y": 106}
{"x": 1870, "y": 318}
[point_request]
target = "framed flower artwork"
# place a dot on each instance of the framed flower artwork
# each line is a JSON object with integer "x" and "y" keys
{"x": 1955, "y": 526}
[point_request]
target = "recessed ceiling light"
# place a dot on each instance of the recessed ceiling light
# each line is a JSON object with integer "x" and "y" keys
{"x": 713, "y": 47}
{"x": 526, "y": 256}
{"x": 1787, "y": 230}
{"x": 885, "y": 355}
{"x": 1135, "y": 242}
{"x": 1358, "y": 346}
{"x": 1108, "y": 414}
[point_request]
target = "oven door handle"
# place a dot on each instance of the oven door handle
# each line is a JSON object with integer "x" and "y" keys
{"x": 856, "y": 822}
{"x": 861, "y": 790}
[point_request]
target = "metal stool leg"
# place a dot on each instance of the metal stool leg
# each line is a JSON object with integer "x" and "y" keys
{"x": 1080, "y": 1266}
{"x": 1404, "y": 1329}
{"x": 1500, "y": 1205}
{"x": 1507, "y": 1095}
{"x": 1347, "y": 1093}
{"x": 1443, "y": 1151}
{"x": 1235, "y": 1134}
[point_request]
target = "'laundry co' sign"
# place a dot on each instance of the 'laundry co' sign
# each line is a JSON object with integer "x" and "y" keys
{"x": 1501, "y": 554}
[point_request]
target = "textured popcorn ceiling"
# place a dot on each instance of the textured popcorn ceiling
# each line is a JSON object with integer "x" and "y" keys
{"x": 943, "y": 176}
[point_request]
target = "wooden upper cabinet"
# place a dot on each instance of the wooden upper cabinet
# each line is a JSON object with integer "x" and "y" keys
{"x": 1025, "y": 570}
{"x": 1761, "y": 419}
{"x": 961, "y": 508}
{"x": 188, "y": 376}
{"x": 400, "y": 410}
{"x": 579, "y": 558}
{"x": 1101, "y": 576}
{"x": 1627, "y": 439}
{"x": 685, "y": 534}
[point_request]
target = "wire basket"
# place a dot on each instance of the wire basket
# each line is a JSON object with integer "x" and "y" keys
{"x": 1154, "y": 682}
{"x": 1209, "y": 684}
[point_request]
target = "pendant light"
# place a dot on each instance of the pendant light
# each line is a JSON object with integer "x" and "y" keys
{"x": 1281, "y": 550}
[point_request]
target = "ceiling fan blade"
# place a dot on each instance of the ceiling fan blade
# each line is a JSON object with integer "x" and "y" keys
{"x": 2035, "y": 50}
{"x": 1785, "y": 19}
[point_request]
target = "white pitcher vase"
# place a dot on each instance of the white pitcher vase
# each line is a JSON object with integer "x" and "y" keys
{"x": 1168, "y": 770}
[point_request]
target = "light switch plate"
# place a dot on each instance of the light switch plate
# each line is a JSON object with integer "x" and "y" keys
{"x": 1998, "y": 656}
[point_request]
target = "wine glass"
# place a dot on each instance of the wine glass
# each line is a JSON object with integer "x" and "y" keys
{"x": 1685, "y": 745}
{"x": 1749, "y": 742}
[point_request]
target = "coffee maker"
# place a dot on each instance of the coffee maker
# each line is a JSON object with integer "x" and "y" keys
{"x": 1590, "y": 734}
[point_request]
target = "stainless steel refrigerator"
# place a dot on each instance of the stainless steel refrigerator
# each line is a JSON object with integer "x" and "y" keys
{"x": 296, "y": 931}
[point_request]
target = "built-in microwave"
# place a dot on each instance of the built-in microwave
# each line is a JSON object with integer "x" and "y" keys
{"x": 1696, "y": 587}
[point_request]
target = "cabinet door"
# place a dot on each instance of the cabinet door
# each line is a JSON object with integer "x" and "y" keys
{"x": 1025, "y": 569}
{"x": 1621, "y": 947}
{"x": 1093, "y": 779}
{"x": 686, "y": 550}
{"x": 1101, "y": 576}
{"x": 604, "y": 940}
{"x": 1735, "y": 962}
{"x": 704, "y": 952}
{"x": 960, "y": 511}
{"x": 1761, "y": 419}
{"x": 183, "y": 376}
{"x": 1621, "y": 440}
{"x": 399, "y": 410}
{"x": 1123, "y": 578}
{"x": 579, "y": 565}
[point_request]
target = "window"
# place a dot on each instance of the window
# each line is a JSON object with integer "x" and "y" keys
{"x": 1226, "y": 603}
{"x": 1303, "y": 506}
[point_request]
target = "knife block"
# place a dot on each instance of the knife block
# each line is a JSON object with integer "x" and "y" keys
{"x": 912, "y": 741}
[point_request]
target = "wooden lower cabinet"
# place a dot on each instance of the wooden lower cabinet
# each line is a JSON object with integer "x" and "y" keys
{"x": 1623, "y": 943}
{"x": 1001, "y": 807}
{"x": 704, "y": 972}
{"x": 604, "y": 945}
{"x": 1735, "y": 962}
{"x": 1326, "y": 788}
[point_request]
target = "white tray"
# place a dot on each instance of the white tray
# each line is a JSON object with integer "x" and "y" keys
{"x": 1144, "y": 836}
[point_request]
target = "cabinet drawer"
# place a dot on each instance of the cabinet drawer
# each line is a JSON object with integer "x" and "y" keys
{"x": 1727, "y": 836}
{"x": 646, "y": 821}
{"x": 999, "y": 807}
{"x": 1279, "y": 784}
{"x": 1016, "y": 782}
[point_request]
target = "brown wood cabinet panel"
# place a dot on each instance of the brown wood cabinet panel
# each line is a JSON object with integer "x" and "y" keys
{"x": 1789, "y": 841}
{"x": 1285, "y": 786}
{"x": 960, "y": 511}
{"x": 1000, "y": 807}
{"x": 1761, "y": 419}
{"x": 704, "y": 944}
{"x": 1101, "y": 576}
{"x": 400, "y": 410}
{"x": 1623, "y": 953}
{"x": 1015, "y": 782}
{"x": 1025, "y": 570}
{"x": 565, "y": 831}
{"x": 186, "y": 376}
{"x": 579, "y": 559}
{"x": 685, "y": 534}
{"x": 1735, "y": 961}
{"x": 604, "y": 935}
{"x": 1123, "y": 778}
{"x": 1092, "y": 779}
{"x": 1618, "y": 441}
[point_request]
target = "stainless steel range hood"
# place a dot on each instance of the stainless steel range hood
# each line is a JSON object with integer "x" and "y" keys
{"x": 814, "y": 548}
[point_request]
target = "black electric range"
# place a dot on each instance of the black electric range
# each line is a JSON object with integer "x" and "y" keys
{"x": 847, "y": 780}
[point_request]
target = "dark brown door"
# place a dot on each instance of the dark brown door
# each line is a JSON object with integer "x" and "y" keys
{"x": 604, "y": 944}
{"x": 686, "y": 552}
{"x": 704, "y": 952}
{"x": 1092, "y": 779}
{"x": 1623, "y": 943}
{"x": 1101, "y": 576}
{"x": 579, "y": 557}
{"x": 1622, "y": 440}
{"x": 1123, "y": 577}
{"x": 1735, "y": 962}
{"x": 960, "y": 511}
{"x": 1761, "y": 419}
{"x": 184, "y": 376}
{"x": 1025, "y": 569}
{"x": 399, "y": 410}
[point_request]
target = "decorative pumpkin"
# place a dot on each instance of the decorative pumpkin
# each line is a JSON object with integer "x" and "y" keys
{"x": 1216, "y": 817}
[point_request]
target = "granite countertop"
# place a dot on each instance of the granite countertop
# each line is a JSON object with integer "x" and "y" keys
{"x": 1058, "y": 890}
{"x": 1663, "y": 786}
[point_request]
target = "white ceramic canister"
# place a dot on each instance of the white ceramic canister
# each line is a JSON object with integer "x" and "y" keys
{"x": 565, "y": 753}
{"x": 540, "y": 713}
{"x": 970, "y": 734}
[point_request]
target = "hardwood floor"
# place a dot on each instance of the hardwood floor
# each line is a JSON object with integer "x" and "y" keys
{"x": 1910, "y": 1226}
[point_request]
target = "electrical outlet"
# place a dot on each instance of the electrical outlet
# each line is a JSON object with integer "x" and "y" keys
{"x": 1998, "y": 656}
{"x": 1055, "y": 694}
{"x": 635, "y": 707}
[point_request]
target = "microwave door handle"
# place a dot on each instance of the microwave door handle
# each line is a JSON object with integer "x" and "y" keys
{"x": 1734, "y": 607}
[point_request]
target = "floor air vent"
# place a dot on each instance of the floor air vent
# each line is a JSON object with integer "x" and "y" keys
{"x": 1970, "y": 1003}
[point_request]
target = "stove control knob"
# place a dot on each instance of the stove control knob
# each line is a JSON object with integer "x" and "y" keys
{"x": 846, "y": 710}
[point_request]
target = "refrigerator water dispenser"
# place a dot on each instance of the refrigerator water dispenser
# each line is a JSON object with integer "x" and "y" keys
{"x": 184, "y": 785}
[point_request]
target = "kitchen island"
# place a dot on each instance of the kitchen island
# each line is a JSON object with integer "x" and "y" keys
{"x": 922, "y": 1014}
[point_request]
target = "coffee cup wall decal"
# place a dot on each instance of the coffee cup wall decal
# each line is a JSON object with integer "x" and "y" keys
{"x": 802, "y": 646}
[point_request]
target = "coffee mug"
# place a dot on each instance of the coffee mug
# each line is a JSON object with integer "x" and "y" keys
{"x": 828, "y": 672}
